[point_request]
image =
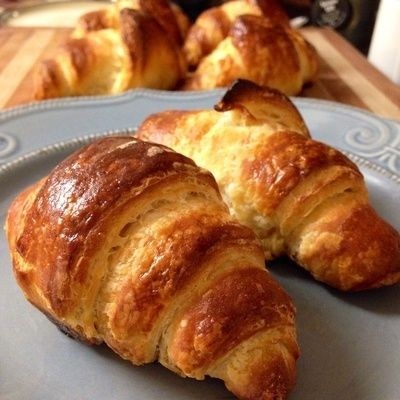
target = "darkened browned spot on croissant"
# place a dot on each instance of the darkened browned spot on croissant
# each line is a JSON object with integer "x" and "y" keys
{"x": 142, "y": 34}
{"x": 242, "y": 91}
{"x": 270, "y": 379}
{"x": 369, "y": 251}
{"x": 287, "y": 159}
{"x": 81, "y": 55}
{"x": 247, "y": 94}
{"x": 94, "y": 21}
{"x": 220, "y": 23}
{"x": 65, "y": 329}
{"x": 235, "y": 307}
{"x": 252, "y": 34}
{"x": 132, "y": 34}
{"x": 176, "y": 261}
{"x": 76, "y": 197}
{"x": 47, "y": 76}
{"x": 161, "y": 10}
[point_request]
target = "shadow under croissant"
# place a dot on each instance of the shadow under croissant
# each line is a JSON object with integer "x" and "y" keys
{"x": 330, "y": 347}
{"x": 337, "y": 338}
{"x": 164, "y": 379}
{"x": 383, "y": 300}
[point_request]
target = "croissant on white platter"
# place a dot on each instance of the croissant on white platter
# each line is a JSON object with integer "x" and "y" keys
{"x": 130, "y": 243}
{"x": 302, "y": 197}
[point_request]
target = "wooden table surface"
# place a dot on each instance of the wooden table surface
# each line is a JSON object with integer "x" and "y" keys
{"x": 345, "y": 76}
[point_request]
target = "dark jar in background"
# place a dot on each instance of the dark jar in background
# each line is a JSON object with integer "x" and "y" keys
{"x": 354, "y": 19}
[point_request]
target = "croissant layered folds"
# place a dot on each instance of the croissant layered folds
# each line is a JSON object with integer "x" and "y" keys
{"x": 139, "y": 53}
{"x": 303, "y": 198}
{"x": 152, "y": 44}
{"x": 168, "y": 15}
{"x": 266, "y": 53}
{"x": 129, "y": 243}
{"x": 213, "y": 25}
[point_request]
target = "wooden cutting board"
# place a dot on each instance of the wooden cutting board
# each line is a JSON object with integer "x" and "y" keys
{"x": 345, "y": 74}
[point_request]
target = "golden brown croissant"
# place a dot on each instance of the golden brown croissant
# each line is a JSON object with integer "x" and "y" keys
{"x": 129, "y": 243}
{"x": 169, "y": 15}
{"x": 302, "y": 197}
{"x": 137, "y": 54}
{"x": 265, "y": 53}
{"x": 213, "y": 25}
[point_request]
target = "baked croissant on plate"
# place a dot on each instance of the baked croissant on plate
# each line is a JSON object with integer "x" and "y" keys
{"x": 130, "y": 243}
{"x": 266, "y": 53}
{"x": 303, "y": 198}
{"x": 213, "y": 25}
{"x": 138, "y": 54}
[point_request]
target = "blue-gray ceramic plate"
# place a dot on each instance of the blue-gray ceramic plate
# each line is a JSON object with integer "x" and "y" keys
{"x": 350, "y": 343}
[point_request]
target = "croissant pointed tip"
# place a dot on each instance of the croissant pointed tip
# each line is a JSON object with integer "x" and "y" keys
{"x": 352, "y": 250}
{"x": 243, "y": 90}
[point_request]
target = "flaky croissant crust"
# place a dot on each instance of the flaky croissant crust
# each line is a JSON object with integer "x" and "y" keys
{"x": 130, "y": 243}
{"x": 256, "y": 49}
{"x": 150, "y": 43}
{"x": 302, "y": 197}
{"x": 213, "y": 25}
{"x": 136, "y": 52}
{"x": 168, "y": 15}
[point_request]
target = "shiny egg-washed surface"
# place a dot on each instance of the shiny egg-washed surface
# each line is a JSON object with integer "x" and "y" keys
{"x": 351, "y": 335}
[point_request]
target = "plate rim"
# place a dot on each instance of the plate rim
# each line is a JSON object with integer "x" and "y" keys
{"x": 78, "y": 141}
{"x": 51, "y": 104}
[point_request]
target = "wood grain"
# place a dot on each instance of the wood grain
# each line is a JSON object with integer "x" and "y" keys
{"x": 20, "y": 51}
{"x": 345, "y": 74}
{"x": 350, "y": 78}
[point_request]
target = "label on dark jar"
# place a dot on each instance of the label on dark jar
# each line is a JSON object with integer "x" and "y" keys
{"x": 333, "y": 13}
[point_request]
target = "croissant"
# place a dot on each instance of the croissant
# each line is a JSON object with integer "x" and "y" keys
{"x": 130, "y": 243}
{"x": 303, "y": 198}
{"x": 265, "y": 53}
{"x": 169, "y": 15}
{"x": 213, "y": 25}
{"x": 109, "y": 61}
